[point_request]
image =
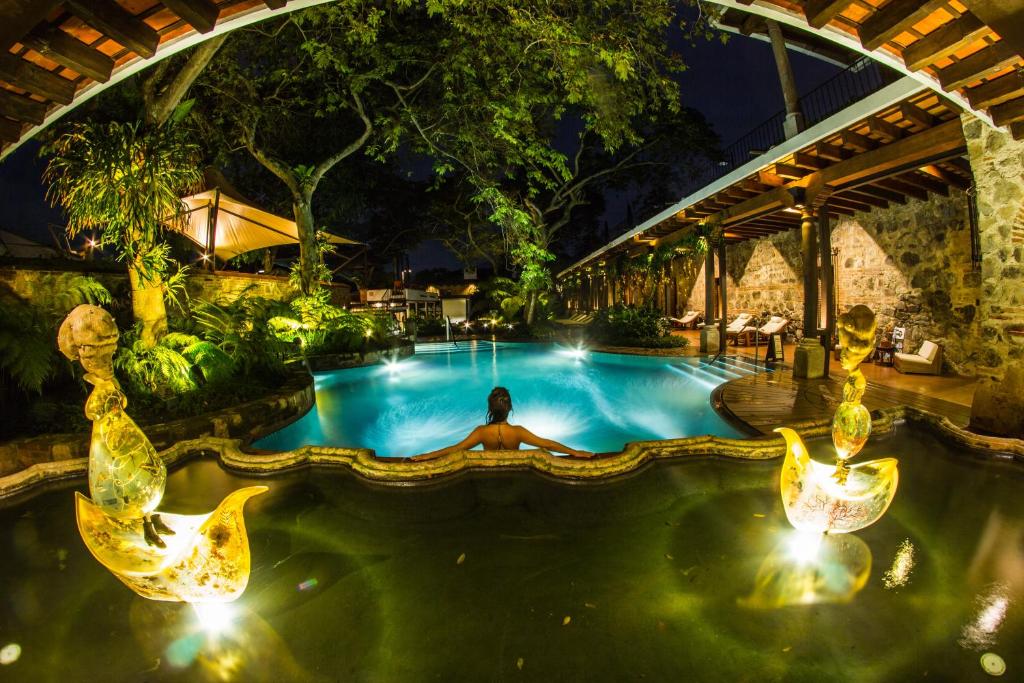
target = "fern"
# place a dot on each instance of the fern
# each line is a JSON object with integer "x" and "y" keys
{"x": 28, "y": 329}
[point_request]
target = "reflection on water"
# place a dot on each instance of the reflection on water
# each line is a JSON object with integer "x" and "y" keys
{"x": 902, "y": 565}
{"x": 808, "y": 568}
{"x": 591, "y": 401}
{"x": 990, "y": 611}
{"x": 358, "y": 582}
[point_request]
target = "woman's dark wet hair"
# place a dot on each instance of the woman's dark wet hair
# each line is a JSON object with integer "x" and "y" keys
{"x": 499, "y": 405}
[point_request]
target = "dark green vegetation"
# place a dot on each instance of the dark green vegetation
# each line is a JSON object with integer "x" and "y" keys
{"x": 511, "y": 576}
{"x": 492, "y": 127}
{"x": 214, "y": 356}
{"x": 624, "y": 325}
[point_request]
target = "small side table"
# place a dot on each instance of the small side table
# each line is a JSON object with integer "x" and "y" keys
{"x": 884, "y": 355}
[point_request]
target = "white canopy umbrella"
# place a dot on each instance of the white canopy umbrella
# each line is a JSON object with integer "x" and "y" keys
{"x": 231, "y": 227}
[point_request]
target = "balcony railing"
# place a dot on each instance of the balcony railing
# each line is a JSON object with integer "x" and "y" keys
{"x": 857, "y": 81}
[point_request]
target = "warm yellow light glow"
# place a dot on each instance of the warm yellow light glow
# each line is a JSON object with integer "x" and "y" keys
{"x": 815, "y": 500}
{"x": 205, "y": 560}
{"x": 369, "y": 333}
{"x": 808, "y": 568}
{"x": 214, "y": 617}
{"x": 10, "y": 653}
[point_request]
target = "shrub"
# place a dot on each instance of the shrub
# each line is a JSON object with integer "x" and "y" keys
{"x": 620, "y": 323}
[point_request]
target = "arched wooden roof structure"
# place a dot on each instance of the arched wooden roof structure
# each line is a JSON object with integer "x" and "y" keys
{"x": 972, "y": 51}
{"x": 59, "y": 53}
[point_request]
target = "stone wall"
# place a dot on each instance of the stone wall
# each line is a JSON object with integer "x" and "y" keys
{"x": 997, "y": 161}
{"x": 222, "y": 287}
{"x": 910, "y": 263}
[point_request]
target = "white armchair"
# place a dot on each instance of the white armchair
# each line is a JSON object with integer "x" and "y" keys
{"x": 927, "y": 360}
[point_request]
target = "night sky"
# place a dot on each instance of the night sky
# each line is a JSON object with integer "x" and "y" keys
{"x": 735, "y": 86}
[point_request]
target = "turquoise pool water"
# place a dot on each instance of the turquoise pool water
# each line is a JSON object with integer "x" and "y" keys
{"x": 590, "y": 401}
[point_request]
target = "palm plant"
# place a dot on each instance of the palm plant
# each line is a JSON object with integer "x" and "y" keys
{"x": 126, "y": 181}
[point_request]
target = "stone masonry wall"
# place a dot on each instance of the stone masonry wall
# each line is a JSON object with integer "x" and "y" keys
{"x": 997, "y": 161}
{"x": 910, "y": 263}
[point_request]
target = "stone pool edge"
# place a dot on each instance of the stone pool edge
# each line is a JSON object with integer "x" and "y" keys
{"x": 395, "y": 471}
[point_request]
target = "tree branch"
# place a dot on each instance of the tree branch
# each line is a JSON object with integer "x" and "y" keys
{"x": 160, "y": 107}
{"x": 354, "y": 146}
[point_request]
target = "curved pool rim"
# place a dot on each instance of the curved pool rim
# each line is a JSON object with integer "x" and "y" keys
{"x": 233, "y": 457}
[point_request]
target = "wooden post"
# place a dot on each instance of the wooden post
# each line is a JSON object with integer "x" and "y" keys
{"x": 794, "y": 117}
{"x": 827, "y": 281}
{"x": 809, "y": 255}
{"x": 211, "y": 233}
{"x": 722, "y": 277}
{"x": 709, "y": 285}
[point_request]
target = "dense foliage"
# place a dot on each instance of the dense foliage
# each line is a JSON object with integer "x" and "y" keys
{"x": 126, "y": 182}
{"x": 624, "y": 325}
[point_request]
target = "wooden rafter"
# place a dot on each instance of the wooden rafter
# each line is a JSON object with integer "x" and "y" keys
{"x": 200, "y": 14}
{"x": 882, "y": 193}
{"x": 36, "y": 80}
{"x": 21, "y": 108}
{"x": 820, "y": 12}
{"x": 52, "y": 43}
{"x": 110, "y": 18}
{"x": 982, "y": 63}
{"x": 1008, "y": 112}
{"x": 944, "y": 41}
{"x": 893, "y": 19}
{"x": 998, "y": 90}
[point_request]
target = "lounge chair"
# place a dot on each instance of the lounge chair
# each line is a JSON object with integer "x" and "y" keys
{"x": 578, "y": 319}
{"x": 927, "y": 360}
{"x": 775, "y": 325}
{"x": 737, "y": 326}
{"x": 690, "y": 320}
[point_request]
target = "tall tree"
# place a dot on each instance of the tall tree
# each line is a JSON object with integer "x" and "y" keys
{"x": 494, "y": 116}
{"x": 297, "y": 95}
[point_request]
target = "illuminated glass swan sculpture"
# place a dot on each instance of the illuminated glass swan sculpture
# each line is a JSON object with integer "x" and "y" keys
{"x": 840, "y": 498}
{"x": 189, "y": 558}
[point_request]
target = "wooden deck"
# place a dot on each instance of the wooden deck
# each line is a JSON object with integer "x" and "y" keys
{"x": 769, "y": 400}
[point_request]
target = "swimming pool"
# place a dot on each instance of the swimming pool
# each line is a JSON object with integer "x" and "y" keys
{"x": 587, "y": 400}
{"x": 507, "y": 576}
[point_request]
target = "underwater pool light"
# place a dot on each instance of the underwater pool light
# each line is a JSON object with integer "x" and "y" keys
{"x": 579, "y": 353}
{"x": 214, "y": 617}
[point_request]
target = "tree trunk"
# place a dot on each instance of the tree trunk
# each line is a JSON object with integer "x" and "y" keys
{"x": 147, "y": 306}
{"x": 309, "y": 255}
{"x": 531, "y": 305}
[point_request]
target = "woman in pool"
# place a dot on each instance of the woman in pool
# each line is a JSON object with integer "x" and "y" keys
{"x": 499, "y": 435}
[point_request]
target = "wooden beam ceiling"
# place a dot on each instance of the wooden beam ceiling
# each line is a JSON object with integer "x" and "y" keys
{"x": 893, "y": 19}
{"x": 820, "y": 12}
{"x": 982, "y": 63}
{"x": 21, "y": 108}
{"x": 55, "y": 44}
{"x": 110, "y": 18}
{"x": 36, "y": 80}
{"x": 1006, "y": 17}
{"x": 200, "y": 14}
{"x": 944, "y": 41}
{"x": 997, "y": 91}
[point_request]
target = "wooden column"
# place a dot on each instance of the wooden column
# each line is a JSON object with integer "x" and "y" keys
{"x": 809, "y": 255}
{"x": 827, "y": 281}
{"x": 794, "y": 117}
{"x": 722, "y": 277}
{"x": 709, "y": 285}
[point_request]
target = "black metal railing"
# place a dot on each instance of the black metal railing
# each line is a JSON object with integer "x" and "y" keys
{"x": 852, "y": 84}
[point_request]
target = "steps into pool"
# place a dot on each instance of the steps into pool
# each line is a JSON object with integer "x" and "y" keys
{"x": 463, "y": 346}
{"x": 717, "y": 371}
